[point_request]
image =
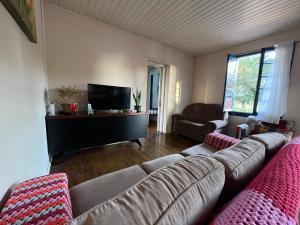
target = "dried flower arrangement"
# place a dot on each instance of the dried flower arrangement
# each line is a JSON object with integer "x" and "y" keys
{"x": 68, "y": 93}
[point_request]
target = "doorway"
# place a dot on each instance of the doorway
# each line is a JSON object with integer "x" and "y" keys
{"x": 155, "y": 73}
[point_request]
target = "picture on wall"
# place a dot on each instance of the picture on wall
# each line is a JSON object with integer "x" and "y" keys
{"x": 23, "y": 13}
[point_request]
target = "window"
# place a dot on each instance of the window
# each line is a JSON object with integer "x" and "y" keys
{"x": 246, "y": 81}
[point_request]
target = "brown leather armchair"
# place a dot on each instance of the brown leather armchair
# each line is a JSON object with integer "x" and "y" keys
{"x": 199, "y": 119}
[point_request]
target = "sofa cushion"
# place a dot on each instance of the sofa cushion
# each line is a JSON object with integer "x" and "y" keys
{"x": 193, "y": 130}
{"x": 41, "y": 200}
{"x": 177, "y": 194}
{"x": 220, "y": 141}
{"x": 187, "y": 124}
{"x": 273, "y": 141}
{"x": 242, "y": 162}
{"x": 202, "y": 149}
{"x": 152, "y": 165}
{"x": 273, "y": 197}
{"x": 202, "y": 113}
{"x": 95, "y": 191}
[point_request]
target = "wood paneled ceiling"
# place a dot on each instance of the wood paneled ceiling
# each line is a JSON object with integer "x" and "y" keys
{"x": 194, "y": 26}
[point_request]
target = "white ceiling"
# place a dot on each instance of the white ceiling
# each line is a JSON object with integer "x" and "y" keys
{"x": 194, "y": 26}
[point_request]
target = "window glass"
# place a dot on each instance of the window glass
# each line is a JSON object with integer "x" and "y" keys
{"x": 230, "y": 84}
{"x": 247, "y": 81}
{"x": 264, "y": 89}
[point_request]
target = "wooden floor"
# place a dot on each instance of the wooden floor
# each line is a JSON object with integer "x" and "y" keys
{"x": 91, "y": 163}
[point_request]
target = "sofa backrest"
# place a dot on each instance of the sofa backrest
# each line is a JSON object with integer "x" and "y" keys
{"x": 242, "y": 162}
{"x": 273, "y": 197}
{"x": 202, "y": 113}
{"x": 178, "y": 194}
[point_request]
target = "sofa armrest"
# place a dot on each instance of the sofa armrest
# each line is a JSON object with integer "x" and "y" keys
{"x": 218, "y": 124}
{"x": 177, "y": 117}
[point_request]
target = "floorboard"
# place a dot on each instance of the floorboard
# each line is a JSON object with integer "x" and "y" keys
{"x": 90, "y": 163}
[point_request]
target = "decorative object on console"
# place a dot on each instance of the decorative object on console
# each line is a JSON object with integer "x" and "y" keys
{"x": 90, "y": 110}
{"x": 137, "y": 100}
{"x": 242, "y": 131}
{"x": 23, "y": 13}
{"x": 51, "y": 109}
{"x": 251, "y": 121}
{"x": 69, "y": 94}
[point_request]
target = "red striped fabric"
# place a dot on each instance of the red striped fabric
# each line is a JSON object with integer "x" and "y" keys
{"x": 220, "y": 141}
{"x": 42, "y": 200}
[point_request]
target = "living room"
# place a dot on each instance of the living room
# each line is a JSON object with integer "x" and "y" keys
{"x": 112, "y": 43}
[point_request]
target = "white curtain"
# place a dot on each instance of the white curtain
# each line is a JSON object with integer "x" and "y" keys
{"x": 274, "y": 96}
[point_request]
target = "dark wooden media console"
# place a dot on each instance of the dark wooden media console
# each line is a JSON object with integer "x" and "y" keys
{"x": 66, "y": 133}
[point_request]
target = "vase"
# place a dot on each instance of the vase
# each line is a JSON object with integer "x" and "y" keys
{"x": 138, "y": 108}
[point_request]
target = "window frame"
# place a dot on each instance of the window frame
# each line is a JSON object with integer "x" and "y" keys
{"x": 260, "y": 70}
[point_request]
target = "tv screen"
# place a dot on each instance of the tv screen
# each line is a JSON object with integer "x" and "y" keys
{"x": 103, "y": 97}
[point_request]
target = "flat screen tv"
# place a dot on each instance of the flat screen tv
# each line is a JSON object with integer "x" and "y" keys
{"x": 104, "y": 97}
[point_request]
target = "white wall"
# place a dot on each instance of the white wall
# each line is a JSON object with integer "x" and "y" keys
{"x": 210, "y": 72}
{"x": 81, "y": 51}
{"x": 23, "y": 147}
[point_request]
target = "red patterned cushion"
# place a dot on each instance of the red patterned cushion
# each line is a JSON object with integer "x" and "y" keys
{"x": 42, "y": 200}
{"x": 220, "y": 141}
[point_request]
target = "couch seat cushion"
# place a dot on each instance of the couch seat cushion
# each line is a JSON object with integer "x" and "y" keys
{"x": 202, "y": 149}
{"x": 152, "y": 165}
{"x": 95, "y": 191}
{"x": 273, "y": 141}
{"x": 177, "y": 194}
{"x": 187, "y": 124}
{"x": 42, "y": 200}
{"x": 242, "y": 162}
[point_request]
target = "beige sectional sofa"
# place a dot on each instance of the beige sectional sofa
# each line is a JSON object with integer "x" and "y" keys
{"x": 172, "y": 189}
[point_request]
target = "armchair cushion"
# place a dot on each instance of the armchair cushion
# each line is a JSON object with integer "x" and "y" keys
{"x": 189, "y": 124}
{"x": 193, "y": 130}
{"x": 202, "y": 113}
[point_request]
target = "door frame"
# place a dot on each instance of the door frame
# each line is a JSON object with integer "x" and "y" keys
{"x": 161, "y": 94}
